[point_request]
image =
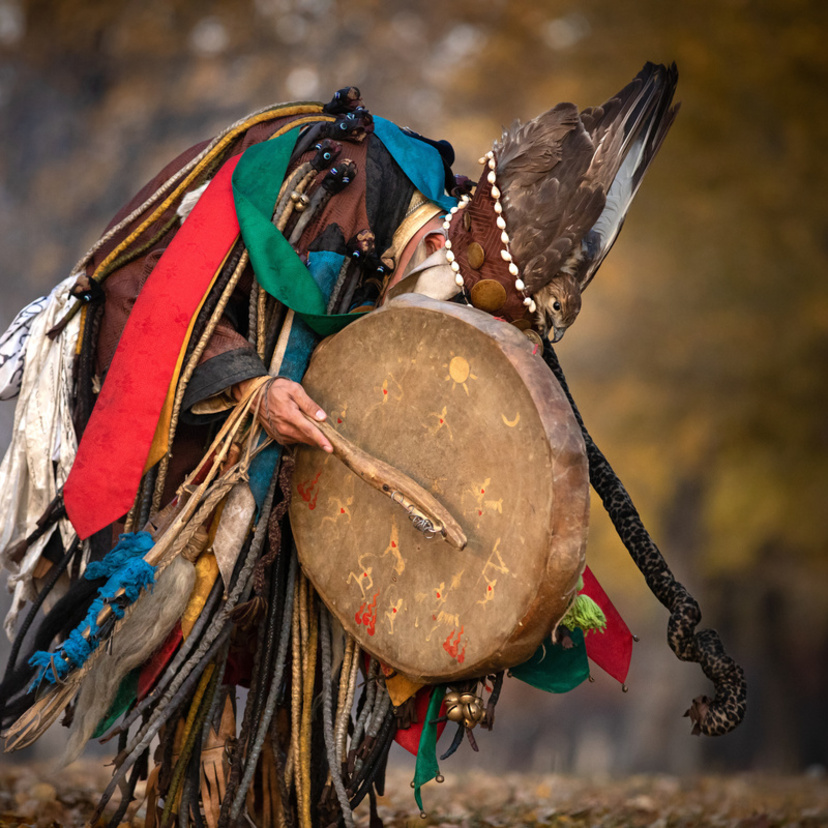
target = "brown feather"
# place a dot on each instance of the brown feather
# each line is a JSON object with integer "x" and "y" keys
{"x": 556, "y": 171}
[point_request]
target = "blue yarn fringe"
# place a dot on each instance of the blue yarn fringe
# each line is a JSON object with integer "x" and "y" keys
{"x": 124, "y": 568}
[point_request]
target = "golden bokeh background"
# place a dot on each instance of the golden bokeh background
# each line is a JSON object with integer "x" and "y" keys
{"x": 699, "y": 360}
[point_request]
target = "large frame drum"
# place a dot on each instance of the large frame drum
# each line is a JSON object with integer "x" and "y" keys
{"x": 459, "y": 402}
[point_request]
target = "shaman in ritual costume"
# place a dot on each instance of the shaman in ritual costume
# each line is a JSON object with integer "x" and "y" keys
{"x": 183, "y": 553}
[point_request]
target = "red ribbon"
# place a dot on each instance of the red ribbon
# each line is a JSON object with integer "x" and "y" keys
{"x": 113, "y": 451}
{"x": 611, "y": 649}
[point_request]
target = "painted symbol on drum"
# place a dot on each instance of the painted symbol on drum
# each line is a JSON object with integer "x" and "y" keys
{"x": 459, "y": 372}
{"x": 490, "y": 591}
{"x": 452, "y": 645}
{"x": 339, "y": 509}
{"x": 440, "y": 421}
{"x": 367, "y": 615}
{"x": 362, "y": 578}
{"x": 389, "y": 391}
{"x": 393, "y": 549}
{"x": 495, "y": 566}
{"x": 392, "y": 614}
{"x": 475, "y": 501}
{"x": 308, "y": 491}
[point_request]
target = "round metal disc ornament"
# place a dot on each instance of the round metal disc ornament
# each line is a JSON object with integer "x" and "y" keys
{"x": 470, "y": 575}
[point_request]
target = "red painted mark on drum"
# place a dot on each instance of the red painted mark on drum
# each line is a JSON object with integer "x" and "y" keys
{"x": 306, "y": 490}
{"x": 339, "y": 419}
{"x": 452, "y": 647}
{"x": 367, "y": 615}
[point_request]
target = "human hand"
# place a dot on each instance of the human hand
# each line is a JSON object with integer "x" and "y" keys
{"x": 282, "y": 414}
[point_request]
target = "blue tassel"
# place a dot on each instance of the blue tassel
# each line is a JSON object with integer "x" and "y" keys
{"x": 125, "y": 569}
{"x": 129, "y": 545}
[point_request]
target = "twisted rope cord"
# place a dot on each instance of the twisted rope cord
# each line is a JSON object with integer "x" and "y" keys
{"x": 327, "y": 719}
{"x": 253, "y": 315}
{"x": 370, "y": 698}
{"x": 132, "y": 254}
{"x": 344, "y": 672}
{"x": 261, "y": 333}
{"x": 192, "y": 728}
{"x": 344, "y": 713}
{"x": 286, "y": 209}
{"x": 307, "y": 709}
{"x": 288, "y": 186}
{"x": 727, "y": 709}
{"x": 275, "y": 686}
{"x": 295, "y": 686}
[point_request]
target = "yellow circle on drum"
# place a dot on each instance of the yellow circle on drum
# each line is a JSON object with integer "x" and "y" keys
{"x": 459, "y": 369}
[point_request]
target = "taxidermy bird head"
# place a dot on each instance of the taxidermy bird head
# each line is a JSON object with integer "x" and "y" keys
{"x": 552, "y": 199}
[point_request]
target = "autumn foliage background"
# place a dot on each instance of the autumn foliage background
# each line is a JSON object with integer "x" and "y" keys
{"x": 699, "y": 359}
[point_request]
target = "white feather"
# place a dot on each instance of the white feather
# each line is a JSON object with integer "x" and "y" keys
{"x": 141, "y": 634}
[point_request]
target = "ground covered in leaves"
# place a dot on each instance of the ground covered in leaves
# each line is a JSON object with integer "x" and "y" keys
{"x": 31, "y": 795}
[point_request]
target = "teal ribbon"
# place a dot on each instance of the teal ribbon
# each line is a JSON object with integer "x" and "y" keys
{"x": 257, "y": 180}
{"x": 279, "y": 270}
{"x": 427, "y": 768}
{"x": 419, "y": 161}
{"x": 555, "y": 669}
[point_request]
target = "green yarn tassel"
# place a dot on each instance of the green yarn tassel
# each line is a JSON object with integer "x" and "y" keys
{"x": 584, "y": 614}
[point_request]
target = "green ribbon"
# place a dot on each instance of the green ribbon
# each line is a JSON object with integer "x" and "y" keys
{"x": 427, "y": 768}
{"x": 126, "y": 695}
{"x": 279, "y": 270}
{"x": 555, "y": 669}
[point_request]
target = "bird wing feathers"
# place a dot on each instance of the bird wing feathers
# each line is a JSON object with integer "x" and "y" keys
{"x": 568, "y": 178}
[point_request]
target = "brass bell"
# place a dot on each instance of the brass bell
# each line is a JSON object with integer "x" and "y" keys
{"x": 454, "y": 710}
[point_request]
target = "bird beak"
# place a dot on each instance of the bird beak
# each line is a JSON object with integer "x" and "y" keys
{"x": 559, "y": 332}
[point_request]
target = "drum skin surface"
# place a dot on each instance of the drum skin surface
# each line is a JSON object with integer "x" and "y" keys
{"x": 457, "y": 400}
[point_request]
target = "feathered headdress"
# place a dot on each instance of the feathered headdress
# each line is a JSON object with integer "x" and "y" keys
{"x": 552, "y": 198}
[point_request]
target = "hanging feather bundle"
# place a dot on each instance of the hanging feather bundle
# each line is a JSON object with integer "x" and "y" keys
{"x": 141, "y": 634}
{"x": 135, "y": 564}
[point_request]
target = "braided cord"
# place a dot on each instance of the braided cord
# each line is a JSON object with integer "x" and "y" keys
{"x": 727, "y": 709}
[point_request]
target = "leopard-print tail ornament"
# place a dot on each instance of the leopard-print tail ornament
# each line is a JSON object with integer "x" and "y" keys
{"x": 727, "y": 709}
